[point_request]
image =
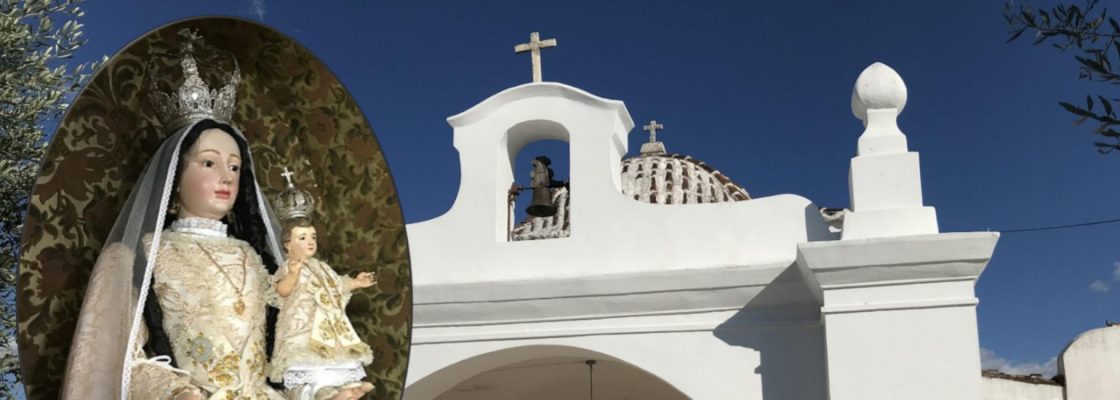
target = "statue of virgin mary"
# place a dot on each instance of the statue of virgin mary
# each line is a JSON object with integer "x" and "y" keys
{"x": 146, "y": 270}
{"x": 177, "y": 304}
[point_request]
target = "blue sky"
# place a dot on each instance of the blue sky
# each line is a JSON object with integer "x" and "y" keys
{"x": 761, "y": 91}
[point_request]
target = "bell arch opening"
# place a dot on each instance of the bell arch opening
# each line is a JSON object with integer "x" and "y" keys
{"x": 539, "y": 167}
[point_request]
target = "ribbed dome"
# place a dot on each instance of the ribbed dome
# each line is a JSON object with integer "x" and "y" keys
{"x": 676, "y": 179}
{"x": 653, "y": 176}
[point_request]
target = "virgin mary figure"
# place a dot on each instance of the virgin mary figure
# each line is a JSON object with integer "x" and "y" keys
{"x": 144, "y": 273}
{"x": 177, "y": 305}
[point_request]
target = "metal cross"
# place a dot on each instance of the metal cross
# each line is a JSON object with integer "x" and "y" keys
{"x": 288, "y": 175}
{"x": 652, "y": 128}
{"x": 534, "y": 46}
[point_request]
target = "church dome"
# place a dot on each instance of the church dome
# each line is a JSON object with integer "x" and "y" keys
{"x": 653, "y": 176}
{"x": 657, "y": 177}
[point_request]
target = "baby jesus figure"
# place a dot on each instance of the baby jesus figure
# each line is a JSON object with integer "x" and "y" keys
{"x": 318, "y": 355}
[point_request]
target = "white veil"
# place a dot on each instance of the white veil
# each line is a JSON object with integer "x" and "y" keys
{"x": 110, "y": 326}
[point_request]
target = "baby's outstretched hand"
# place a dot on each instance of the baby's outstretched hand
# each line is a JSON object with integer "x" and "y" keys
{"x": 365, "y": 280}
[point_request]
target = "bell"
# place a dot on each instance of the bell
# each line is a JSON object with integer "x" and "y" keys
{"x": 542, "y": 203}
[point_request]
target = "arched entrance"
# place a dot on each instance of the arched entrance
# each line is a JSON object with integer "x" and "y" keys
{"x": 544, "y": 373}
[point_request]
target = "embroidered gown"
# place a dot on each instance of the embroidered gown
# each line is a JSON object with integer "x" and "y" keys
{"x": 313, "y": 332}
{"x": 213, "y": 291}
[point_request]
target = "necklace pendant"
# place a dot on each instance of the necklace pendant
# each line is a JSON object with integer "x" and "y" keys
{"x": 239, "y": 307}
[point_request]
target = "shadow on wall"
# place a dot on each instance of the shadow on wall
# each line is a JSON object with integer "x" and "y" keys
{"x": 782, "y": 323}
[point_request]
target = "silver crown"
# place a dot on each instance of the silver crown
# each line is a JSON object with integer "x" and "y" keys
{"x": 293, "y": 202}
{"x": 194, "y": 100}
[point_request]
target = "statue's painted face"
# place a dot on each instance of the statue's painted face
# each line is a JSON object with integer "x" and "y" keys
{"x": 303, "y": 242}
{"x": 209, "y": 181}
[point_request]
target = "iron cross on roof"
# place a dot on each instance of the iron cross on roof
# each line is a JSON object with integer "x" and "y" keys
{"x": 534, "y": 46}
{"x": 652, "y": 128}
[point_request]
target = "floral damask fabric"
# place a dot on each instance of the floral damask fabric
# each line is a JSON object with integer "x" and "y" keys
{"x": 293, "y": 111}
{"x": 312, "y": 328}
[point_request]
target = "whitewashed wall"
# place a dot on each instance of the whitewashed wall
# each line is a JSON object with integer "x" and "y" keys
{"x": 1006, "y": 389}
{"x": 705, "y": 297}
{"x": 1091, "y": 365}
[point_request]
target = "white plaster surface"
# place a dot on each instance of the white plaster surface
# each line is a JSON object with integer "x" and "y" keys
{"x": 1091, "y": 365}
{"x": 899, "y": 314}
{"x": 878, "y": 87}
{"x": 610, "y": 233}
{"x": 884, "y": 181}
{"x": 702, "y": 296}
{"x": 563, "y": 378}
{"x": 889, "y": 223}
{"x": 1006, "y": 389}
{"x": 916, "y": 354}
{"x": 695, "y": 363}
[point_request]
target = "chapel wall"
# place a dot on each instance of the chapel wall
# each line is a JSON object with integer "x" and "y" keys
{"x": 610, "y": 233}
{"x": 1008, "y": 389}
{"x": 1091, "y": 365}
{"x": 768, "y": 362}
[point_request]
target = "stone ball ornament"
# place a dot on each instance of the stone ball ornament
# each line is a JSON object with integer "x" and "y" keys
{"x": 878, "y": 87}
{"x": 293, "y": 111}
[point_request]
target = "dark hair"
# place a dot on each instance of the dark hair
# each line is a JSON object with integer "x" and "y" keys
{"x": 245, "y": 222}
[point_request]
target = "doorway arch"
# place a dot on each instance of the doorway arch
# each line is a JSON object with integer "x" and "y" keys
{"x": 542, "y": 372}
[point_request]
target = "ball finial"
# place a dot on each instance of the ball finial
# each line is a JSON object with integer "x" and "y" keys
{"x": 878, "y": 86}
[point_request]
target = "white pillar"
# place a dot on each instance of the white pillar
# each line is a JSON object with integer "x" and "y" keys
{"x": 899, "y": 314}
{"x": 885, "y": 181}
{"x": 897, "y": 298}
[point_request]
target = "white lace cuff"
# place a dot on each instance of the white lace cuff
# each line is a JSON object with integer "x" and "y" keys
{"x": 319, "y": 376}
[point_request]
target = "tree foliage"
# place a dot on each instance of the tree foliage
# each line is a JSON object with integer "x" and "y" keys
{"x": 1088, "y": 31}
{"x": 36, "y": 40}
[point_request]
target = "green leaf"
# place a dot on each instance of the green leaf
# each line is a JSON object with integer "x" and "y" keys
{"x": 1016, "y": 34}
{"x": 1091, "y": 65}
{"x": 1075, "y": 110}
{"x": 1110, "y": 133}
{"x": 1039, "y": 38}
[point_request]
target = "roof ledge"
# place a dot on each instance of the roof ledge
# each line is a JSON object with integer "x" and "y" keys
{"x": 541, "y": 89}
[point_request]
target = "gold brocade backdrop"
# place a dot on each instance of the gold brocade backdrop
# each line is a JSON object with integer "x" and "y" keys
{"x": 294, "y": 112}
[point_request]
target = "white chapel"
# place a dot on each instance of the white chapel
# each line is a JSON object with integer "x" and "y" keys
{"x": 664, "y": 279}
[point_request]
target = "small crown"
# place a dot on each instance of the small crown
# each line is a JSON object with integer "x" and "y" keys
{"x": 194, "y": 100}
{"x": 293, "y": 202}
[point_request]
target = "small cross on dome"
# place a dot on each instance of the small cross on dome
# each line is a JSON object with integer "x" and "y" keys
{"x": 652, "y": 129}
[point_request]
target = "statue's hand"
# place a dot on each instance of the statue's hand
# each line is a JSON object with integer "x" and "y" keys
{"x": 354, "y": 393}
{"x": 365, "y": 280}
{"x": 189, "y": 396}
{"x": 295, "y": 262}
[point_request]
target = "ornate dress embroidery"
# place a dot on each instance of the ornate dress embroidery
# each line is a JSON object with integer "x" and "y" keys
{"x": 220, "y": 348}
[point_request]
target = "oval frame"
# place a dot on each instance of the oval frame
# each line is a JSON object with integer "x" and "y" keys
{"x": 290, "y": 107}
